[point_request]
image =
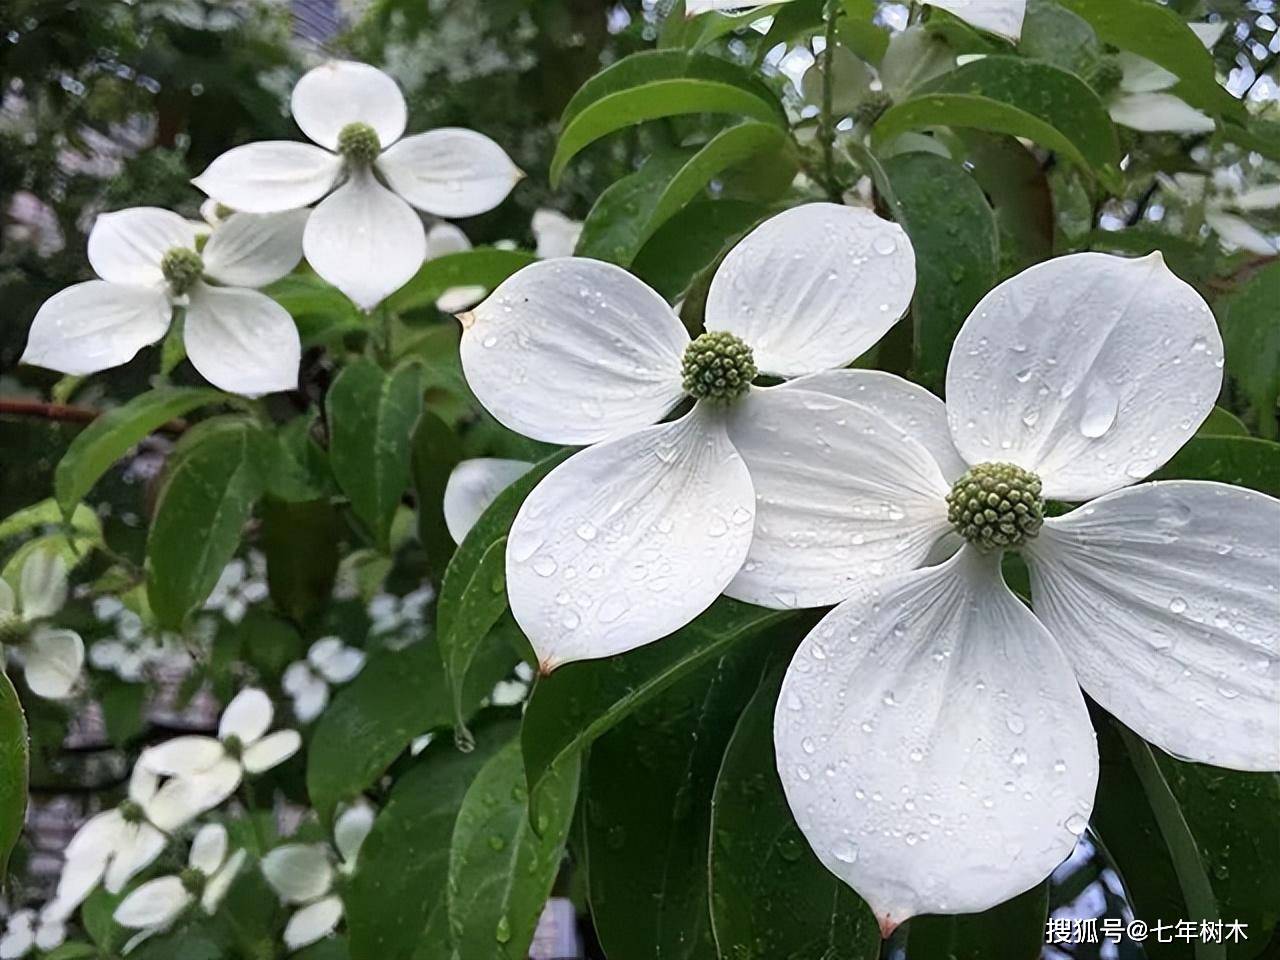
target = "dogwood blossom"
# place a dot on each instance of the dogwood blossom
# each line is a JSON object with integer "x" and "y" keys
{"x": 472, "y": 486}
{"x": 930, "y": 732}
{"x": 630, "y": 539}
{"x": 329, "y": 661}
{"x": 1143, "y": 102}
{"x": 154, "y": 906}
{"x": 364, "y": 237}
{"x": 149, "y": 261}
{"x": 1222, "y": 197}
{"x": 303, "y": 875}
{"x": 27, "y": 931}
{"x": 213, "y": 768}
{"x": 51, "y": 657}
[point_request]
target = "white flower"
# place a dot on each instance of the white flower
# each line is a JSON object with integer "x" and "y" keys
{"x": 113, "y": 846}
{"x": 303, "y": 875}
{"x": 149, "y": 261}
{"x": 444, "y": 239}
{"x": 329, "y": 660}
{"x": 472, "y": 486}
{"x": 696, "y": 8}
{"x": 1142, "y": 101}
{"x": 1224, "y": 197}
{"x": 153, "y": 907}
{"x": 364, "y": 238}
{"x": 930, "y": 732}
{"x": 555, "y": 234}
{"x": 51, "y": 657}
{"x": 26, "y": 931}
{"x": 1001, "y": 17}
{"x": 212, "y": 769}
{"x": 630, "y": 539}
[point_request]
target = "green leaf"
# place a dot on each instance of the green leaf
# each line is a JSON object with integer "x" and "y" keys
{"x": 581, "y": 701}
{"x": 1158, "y": 33}
{"x": 1023, "y": 98}
{"x": 300, "y": 541}
{"x": 72, "y": 951}
{"x": 110, "y": 437}
{"x": 1014, "y": 930}
{"x": 501, "y": 869}
{"x": 953, "y": 232}
{"x": 473, "y": 594}
{"x": 649, "y": 785}
{"x": 398, "y": 696}
{"x": 399, "y": 887}
{"x": 436, "y": 451}
{"x": 13, "y": 771}
{"x": 858, "y": 31}
{"x": 655, "y": 84}
{"x": 482, "y": 267}
{"x": 83, "y": 525}
{"x": 300, "y": 467}
{"x": 1222, "y": 423}
{"x": 210, "y": 486}
{"x": 694, "y": 240}
{"x": 322, "y": 312}
{"x": 1251, "y": 337}
{"x": 371, "y": 418}
{"x": 1056, "y": 35}
{"x": 1243, "y": 461}
{"x": 770, "y": 895}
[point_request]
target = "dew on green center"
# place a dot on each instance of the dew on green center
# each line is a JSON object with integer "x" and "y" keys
{"x": 996, "y": 506}
{"x": 182, "y": 267}
{"x": 717, "y": 367}
{"x": 358, "y": 143}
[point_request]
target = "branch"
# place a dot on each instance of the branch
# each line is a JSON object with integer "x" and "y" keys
{"x": 66, "y": 413}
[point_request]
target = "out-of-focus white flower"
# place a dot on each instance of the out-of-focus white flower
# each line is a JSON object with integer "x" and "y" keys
{"x": 1143, "y": 102}
{"x": 329, "y": 661}
{"x": 1224, "y": 198}
{"x": 302, "y": 874}
{"x": 27, "y": 931}
{"x": 239, "y": 586}
{"x": 149, "y": 262}
{"x": 51, "y": 657}
{"x": 1001, "y": 17}
{"x": 364, "y": 237}
{"x": 555, "y": 234}
{"x": 696, "y": 8}
{"x": 391, "y": 614}
{"x": 153, "y": 907}
{"x": 442, "y": 240}
{"x": 212, "y": 769}
{"x": 472, "y": 486}
{"x": 930, "y": 732}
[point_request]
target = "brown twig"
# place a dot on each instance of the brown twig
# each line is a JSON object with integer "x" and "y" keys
{"x": 66, "y": 413}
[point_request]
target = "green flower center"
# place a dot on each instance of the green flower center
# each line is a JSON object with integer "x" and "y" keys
{"x": 13, "y": 629}
{"x": 717, "y": 367}
{"x": 358, "y": 143}
{"x": 182, "y": 267}
{"x": 132, "y": 812}
{"x": 233, "y": 746}
{"x": 996, "y": 506}
{"x": 193, "y": 881}
{"x": 872, "y": 106}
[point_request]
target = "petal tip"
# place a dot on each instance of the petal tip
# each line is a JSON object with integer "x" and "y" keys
{"x": 888, "y": 924}
{"x": 467, "y": 318}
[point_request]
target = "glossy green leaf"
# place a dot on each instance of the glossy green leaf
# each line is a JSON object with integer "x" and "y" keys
{"x": 859, "y": 32}
{"x": 770, "y": 895}
{"x": 482, "y": 267}
{"x": 436, "y": 451}
{"x": 299, "y": 469}
{"x": 300, "y": 541}
{"x": 655, "y": 84}
{"x": 371, "y": 419}
{"x": 13, "y": 770}
{"x": 1222, "y": 423}
{"x": 1014, "y": 930}
{"x": 1024, "y": 98}
{"x": 1017, "y": 186}
{"x": 322, "y": 312}
{"x": 953, "y": 232}
{"x": 1243, "y": 461}
{"x": 614, "y": 225}
{"x": 1056, "y": 35}
{"x": 112, "y": 435}
{"x": 1251, "y": 337}
{"x": 581, "y": 701}
{"x": 84, "y": 523}
{"x": 208, "y": 492}
{"x": 500, "y": 868}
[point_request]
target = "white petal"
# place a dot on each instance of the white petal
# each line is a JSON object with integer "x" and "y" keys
{"x": 1001, "y": 17}
{"x": 908, "y": 406}
{"x": 299, "y": 872}
{"x": 53, "y": 662}
{"x": 1259, "y": 198}
{"x": 309, "y": 701}
{"x": 312, "y": 922}
{"x": 182, "y": 756}
{"x": 297, "y": 677}
{"x": 1164, "y": 597}
{"x": 271, "y": 176}
{"x": 1140, "y": 75}
{"x": 137, "y": 848}
{"x": 842, "y": 495}
{"x": 472, "y": 486}
{"x": 629, "y": 540}
{"x": 143, "y": 785}
{"x": 1209, "y": 33}
{"x": 8, "y": 602}
{"x": 573, "y": 351}
{"x": 444, "y": 239}
{"x": 695, "y": 8}
{"x": 247, "y": 716}
{"x": 365, "y": 240}
{"x": 209, "y": 848}
{"x": 1090, "y": 370}
{"x": 96, "y": 325}
{"x": 43, "y": 584}
{"x": 341, "y": 92}
{"x": 17, "y": 941}
{"x": 50, "y": 935}
{"x": 127, "y": 246}
{"x": 814, "y": 287}
{"x": 207, "y": 789}
{"x": 218, "y": 885}
{"x": 933, "y": 744}
{"x": 181, "y": 799}
{"x": 271, "y": 751}
{"x": 350, "y": 831}
{"x": 457, "y": 299}
{"x": 334, "y": 660}
{"x": 86, "y": 856}
{"x": 1236, "y": 233}
{"x": 255, "y": 249}
{"x": 450, "y": 172}
{"x": 1158, "y": 113}
{"x": 242, "y": 340}
{"x": 556, "y": 234}
{"x": 156, "y": 903}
